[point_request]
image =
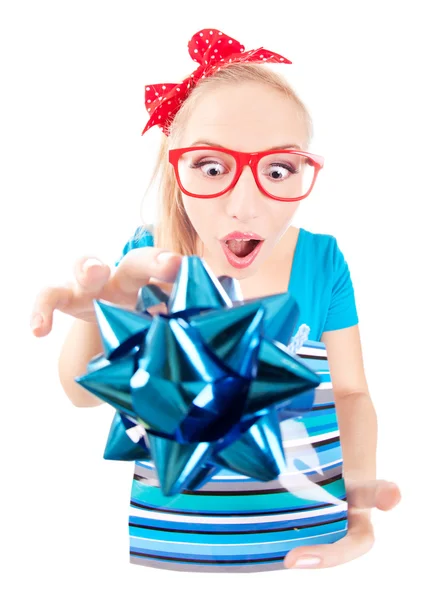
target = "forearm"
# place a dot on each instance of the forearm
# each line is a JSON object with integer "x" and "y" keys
{"x": 357, "y": 422}
{"x": 82, "y": 343}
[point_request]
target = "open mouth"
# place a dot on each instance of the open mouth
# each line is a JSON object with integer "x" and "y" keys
{"x": 241, "y": 253}
{"x": 241, "y": 248}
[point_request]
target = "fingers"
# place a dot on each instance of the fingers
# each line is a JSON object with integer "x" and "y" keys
{"x": 358, "y": 541}
{"x": 139, "y": 266}
{"x": 388, "y": 495}
{"x": 379, "y": 493}
{"x": 90, "y": 274}
{"x": 93, "y": 279}
{"x": 47, "y": 301}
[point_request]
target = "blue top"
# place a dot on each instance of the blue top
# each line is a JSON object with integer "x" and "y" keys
{"x": 320, "y": 282}
{"x": 235, "y": 523}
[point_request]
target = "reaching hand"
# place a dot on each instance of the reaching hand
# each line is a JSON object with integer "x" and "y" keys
{"x": 94, "y": 279}
{"x": 362, "y": 496}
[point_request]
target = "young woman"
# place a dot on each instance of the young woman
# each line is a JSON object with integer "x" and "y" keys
{"x": 234, "y": 165}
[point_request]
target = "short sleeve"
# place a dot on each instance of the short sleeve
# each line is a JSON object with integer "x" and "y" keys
{"x": 342, "y": 311}
{"x": 140, "y": 239}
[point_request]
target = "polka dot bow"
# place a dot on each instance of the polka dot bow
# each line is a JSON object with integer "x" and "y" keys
{"x": 212, "y": 50}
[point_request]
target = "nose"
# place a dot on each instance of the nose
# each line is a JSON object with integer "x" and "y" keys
{"x": 243, "y": 200}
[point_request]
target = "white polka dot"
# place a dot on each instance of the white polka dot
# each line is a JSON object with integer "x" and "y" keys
{"x": 206, "y": 62}
{"x": 230, "y": 60}
{"x": 148, "y": 100}
{"x": 220, "y": 32}
{"x": 282, "y": 59}
{"x": 211, "y": 33}
{"x": 220, "y": 42}
{"x": 156, "y": 94}
{"x": 160, "y": 98}
{"x": 147, "y": 88}
{"x": 212, "y": 56}
{"x": 169, "y": 112}
{"x": 159, "y": 116}
{"x": 195, "y": 50}
{"x": 201, "y": 34}
{"x": 169, "y": 102}
{"x": 203, "y": 77}
{"x": 265, "y": 59}
{"x": 163, "y": 87}
{"x": 178, "y": 89}
{"x": 207, "y": 41}
{"x": 216, "y": 50}
{"x": 230, "y": 41}
{"x": 261, "y": 56}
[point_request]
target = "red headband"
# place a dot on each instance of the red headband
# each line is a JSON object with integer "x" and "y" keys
{"x": 212, "y": 50}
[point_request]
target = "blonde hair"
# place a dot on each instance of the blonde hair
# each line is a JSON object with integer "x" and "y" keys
{"x": 173, "y": 230}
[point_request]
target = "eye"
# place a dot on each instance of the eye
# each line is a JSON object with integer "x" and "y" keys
{"x": 279, "y": 171}
{"x": 210, "y": 168}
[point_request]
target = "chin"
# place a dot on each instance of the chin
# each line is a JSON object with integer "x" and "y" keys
{"x": 239, "y": 273}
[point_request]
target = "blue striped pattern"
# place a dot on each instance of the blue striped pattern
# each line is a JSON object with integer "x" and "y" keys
{"x": 235, "y": 523}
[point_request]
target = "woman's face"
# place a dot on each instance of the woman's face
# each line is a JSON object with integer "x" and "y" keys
{"x": 249, "y": 118}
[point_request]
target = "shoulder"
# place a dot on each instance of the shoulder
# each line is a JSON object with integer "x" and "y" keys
{"x": 323, "y": 240}
{"x": 143, "y": 236}
{"x": 325, "y": 262}
{"x": 321, "y": 248}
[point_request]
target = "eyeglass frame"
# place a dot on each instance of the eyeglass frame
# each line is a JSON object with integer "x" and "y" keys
{"x": 244, "y": 159}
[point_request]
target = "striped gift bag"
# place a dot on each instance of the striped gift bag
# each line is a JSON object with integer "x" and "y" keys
{"x": 235, "y": 523}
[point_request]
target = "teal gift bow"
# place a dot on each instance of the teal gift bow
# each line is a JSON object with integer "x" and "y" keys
{"x": 199, "y": 389}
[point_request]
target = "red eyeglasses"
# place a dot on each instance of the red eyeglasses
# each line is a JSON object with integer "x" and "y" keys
{"x": 208, "y": 171}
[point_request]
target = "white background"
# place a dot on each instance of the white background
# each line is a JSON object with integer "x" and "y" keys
{"x": 74, "y": 171}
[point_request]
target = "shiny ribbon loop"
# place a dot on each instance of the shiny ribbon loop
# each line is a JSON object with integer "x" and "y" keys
{"x": 200, "y": 388}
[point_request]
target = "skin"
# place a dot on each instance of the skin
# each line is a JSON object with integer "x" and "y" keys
{"x": 249, "y": 117}
{"x": 246, "y": 118}
{"x": 253, "y": 117}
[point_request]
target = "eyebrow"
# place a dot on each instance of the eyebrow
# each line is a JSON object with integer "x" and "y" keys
{"x": 284, "y": 147}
